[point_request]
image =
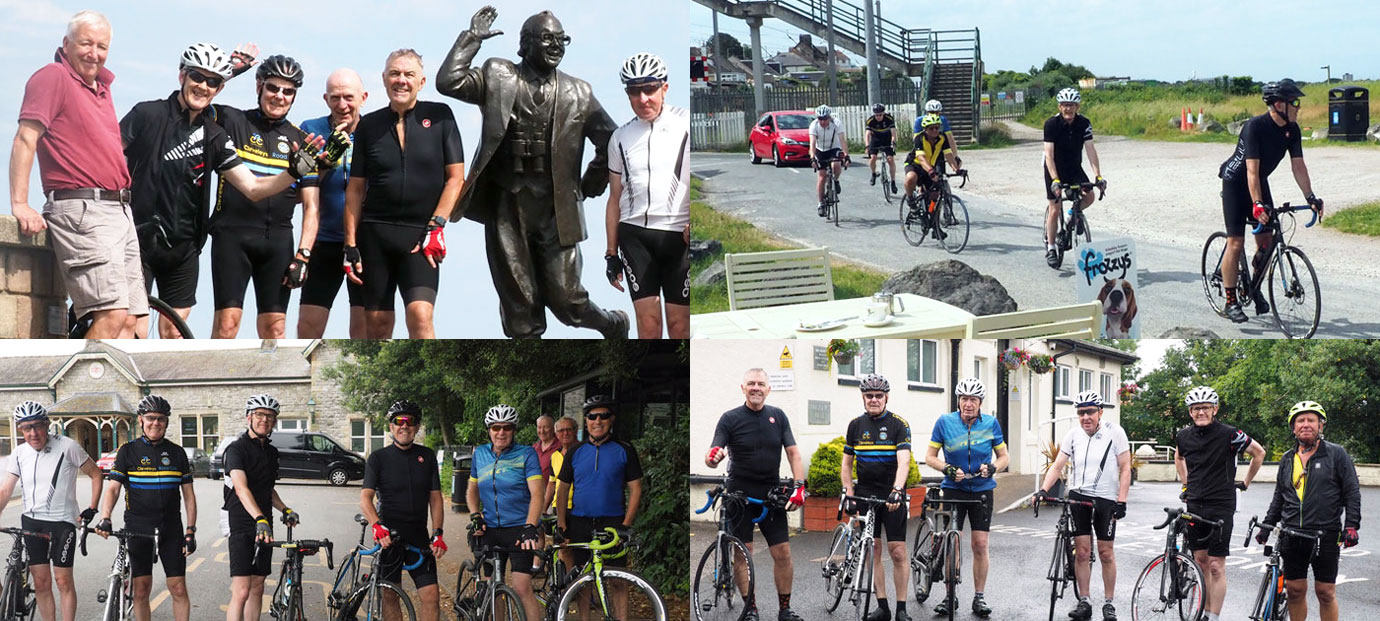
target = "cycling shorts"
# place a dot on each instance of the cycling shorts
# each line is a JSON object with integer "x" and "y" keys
{"x": 773, "y": 527}
{"x": 582, "y": 529}
{"x": 980, "y": 514}
{"x": 171, "y": 537}
{"x": 391, "y": 266}
{"x": 176, "y": 271}
{"x": 884, "y": 148}
{"x": 519, "y": 562}
{"x": 324, "y": 275}
{"x": 893, "y": 521}
{"x": 1202, "y": 537}
{"x": 58, "y": 550}
{"x": 657, "y": 263}
{"x": 824, "y": 157}
{"x": 922, "y": 178}
{"x": 1237, "y": 205}
{"x": 238, "y": 256}
{"x": 241, "y": 544}
{"x": 1070, "y": 177}
{"x": 391, "y": 564}
{"x": 1296, "y": 551}
{"x": 1094, "y": 520}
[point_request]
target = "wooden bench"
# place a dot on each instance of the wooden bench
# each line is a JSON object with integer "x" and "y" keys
{"x": 777, "y": 278}
{"x": 1078, "y": 321}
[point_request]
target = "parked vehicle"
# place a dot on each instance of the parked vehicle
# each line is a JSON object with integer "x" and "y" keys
{"x": 106, "y": 462}
{"x": 782, "y": 136}
{"x": 305, "y": 455}
{"x": 199, "y": 460}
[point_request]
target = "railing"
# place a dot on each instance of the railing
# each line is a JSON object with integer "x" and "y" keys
{"x": 721, "y": 129}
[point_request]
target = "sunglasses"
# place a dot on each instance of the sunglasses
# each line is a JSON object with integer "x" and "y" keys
{"x": 1087, "y": 412}
{"x": 549, "y": 38}
{"x": 213, "y": 81}
{"x": 874, "y": 396}
{"x": 643, "y": 89}
{"x": 502, "y": 428}
{"x": 599, "y": 416}
{"x": 28, "y": 428}
{"x": 274, "y": 89}
{"x": 405, "y": 421}
{"x": 1296, "y": 103}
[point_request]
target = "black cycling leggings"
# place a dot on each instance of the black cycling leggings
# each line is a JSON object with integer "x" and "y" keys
{"x": 390, "y": 265}
{"x": 238, "y": 255}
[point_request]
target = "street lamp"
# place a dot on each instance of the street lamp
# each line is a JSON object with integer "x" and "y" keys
{"x": 1328, "y": 68}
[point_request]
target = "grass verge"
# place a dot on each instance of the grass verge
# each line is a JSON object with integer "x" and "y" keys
{"x": 1363, "y": 219}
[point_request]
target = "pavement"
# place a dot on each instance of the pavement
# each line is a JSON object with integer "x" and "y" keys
{"x": 1020, "y": 551}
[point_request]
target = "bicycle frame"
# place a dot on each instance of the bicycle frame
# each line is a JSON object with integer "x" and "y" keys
{"x": 1271, "y": 600}
{"x": 18, "y": 597}
{"x": 288, "y": 594}
{"x": 118, "y": 595}
{"x": 863, "y": 542}
{"x": 723, "y": 498}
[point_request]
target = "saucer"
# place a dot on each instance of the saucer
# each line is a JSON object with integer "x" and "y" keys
{"x": 877, "y": 324}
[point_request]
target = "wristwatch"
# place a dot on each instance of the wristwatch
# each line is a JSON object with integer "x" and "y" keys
{"x": 192, "y": 529}
{"x": 305, "y": 252}
{"x": 440, "y": 222}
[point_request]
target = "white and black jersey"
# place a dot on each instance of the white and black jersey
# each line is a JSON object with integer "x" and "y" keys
{"x": 49, "y": 476}
{"x": 1094, "y": 459}
{"x": 653, "y": 160}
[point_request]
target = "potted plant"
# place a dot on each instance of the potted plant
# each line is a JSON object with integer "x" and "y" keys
{"x": 1128, "y": 391}
{"x": 1040, "y": 363}
{"x": 823, "y": 485}
{"x": 843, "y": 351}
{"x": 1051, "y": 451}
{"x": 1013, "y": 358}
{"x": 1136, "y": 463}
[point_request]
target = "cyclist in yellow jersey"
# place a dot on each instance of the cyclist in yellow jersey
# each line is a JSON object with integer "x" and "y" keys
{"x": 923, "y": 164}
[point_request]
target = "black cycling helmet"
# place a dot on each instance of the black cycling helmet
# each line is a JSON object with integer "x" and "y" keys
{"x": 878, "y": 108}
{"x": 1283, "y": 90}
{"x": 404, "y": 406}
{"x": 599, "y": 401}
{"x": 154, "y": 403}
{"x": 279, "y": 66}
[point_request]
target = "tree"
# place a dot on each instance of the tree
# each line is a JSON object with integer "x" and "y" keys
{"x": 729, "y": 46}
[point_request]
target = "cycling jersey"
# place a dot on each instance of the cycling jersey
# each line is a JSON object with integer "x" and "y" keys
{"x": 170, "y": 160}
{"x": 1094, "y": 458}
{"x": 968, "y": 447}
{"x": 881, "y": 130}
{"x": 265, "y": 145}
{"x": 930, "y": 152}
{"x": 1068, "y": 139}
{"x": 48, "y": 477}
{"x": 403, "y": 481}
{"x": 943, "y": 124}
{"x": 502, "y": 482}
{"x": 601, "y": 471}
{"x": 557, "y": 461}
{"x": 258, "y": 459}
{"x": 653, "y": 160}
{"x": 404, "y": 185}
{"x": 153, "y": 475}
{"x": 1262, "y": 139}
{"x": 1210, "y": 454}
{"x": 331, "y": 182}
{"x": 826, "y": 138}
{"x": 754, "y": 441}
{"x": 873, "y": 442}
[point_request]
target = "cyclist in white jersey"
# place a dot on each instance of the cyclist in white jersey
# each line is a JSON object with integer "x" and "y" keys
{"x": 46, "y": 466}
{"x": 827, "y": 144}
{"x": 648, "y": 213}
{"x": 1101, "y": 458}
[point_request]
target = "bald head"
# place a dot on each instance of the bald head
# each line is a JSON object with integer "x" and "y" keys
{"x": 345, "y": 96}
{"x": 345, "y": 78}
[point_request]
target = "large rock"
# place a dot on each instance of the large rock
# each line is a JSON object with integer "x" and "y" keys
{"x": 700, "y": 248}
{"x": 712, "y": 276}
{"x": 1188, "y": 333}
{"x": 1374, "y": 132}
{"x": 1175, "y": 122}
{"x": 1235, "y": 127}
{"x": 1212, "y": 126}
{"x": 954, "y": 282}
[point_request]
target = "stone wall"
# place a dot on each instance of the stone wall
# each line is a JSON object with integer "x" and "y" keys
{"x": 33, "y": 302}
{"x": 332, "y": 416}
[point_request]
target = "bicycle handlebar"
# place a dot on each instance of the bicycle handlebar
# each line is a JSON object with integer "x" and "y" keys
{"x": 1315, "y": 535}
{"x": 19, "y": 532}
{"x": 719, "y": 492}
{"x": 1051, "y": 500}
{"x": 119, "y": 534}
{"x": 1081, "y": 188}
{"x": 307, "y": 546}
{"x": 1283, "y": 209}
{"x": 410, "y": 548}
{"x": 868, "y": 500}
{"x": 1176, "y": 513}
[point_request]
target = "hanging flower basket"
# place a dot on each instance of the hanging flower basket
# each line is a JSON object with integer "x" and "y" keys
{"x": 1040, "y": 363}
{"x": 1013, "y": 358}
{"x": 843, "y": 351}
{"x": 1128, "y": 391}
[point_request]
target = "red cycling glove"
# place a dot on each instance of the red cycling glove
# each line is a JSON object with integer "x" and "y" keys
{"x": 433, "y": 242}
{"x": 381, "y": 531}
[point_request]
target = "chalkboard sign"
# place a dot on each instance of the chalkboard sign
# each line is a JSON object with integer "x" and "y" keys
{"x": 821, "y": 358}
{"x": 819, "y": 412}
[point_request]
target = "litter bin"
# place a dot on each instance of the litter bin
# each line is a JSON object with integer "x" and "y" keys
{"x": 460, "y": 478}
{"x": 1348, "y": 113}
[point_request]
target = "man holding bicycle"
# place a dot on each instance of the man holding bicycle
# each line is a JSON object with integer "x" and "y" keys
{"x": 1067, "y": 135}
{"x": 505, "y": 496}
{"x": 405, "y": 482}
{"x": 50, "y": 465}
{"x": 881, "y": 140}
{"x": 1205, "y": 459}
{"x": 974, "y": 451}
{"x": 1101, "y": 457}
{"x": 828, "y": 148}
{"x": 1245, "y": 176}
{"x": 755, "y": 435}
{"x": 879, "y": 443}
{"x": 923, "y": 164}
{"x": 1322, "y": 474}
{"x": 156, "y": 476}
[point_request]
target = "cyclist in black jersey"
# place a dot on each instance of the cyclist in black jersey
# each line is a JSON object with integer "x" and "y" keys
{"x": 407, "y": 174}
{"x": 1246, "y": 185}
{"x": 1067, "y": 135}
{"x": 157, "y": 478}
{"x": 253, "y": 239}
{"x": 881, "y": 140}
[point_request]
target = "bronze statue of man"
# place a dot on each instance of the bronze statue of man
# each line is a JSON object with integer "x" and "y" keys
{"x": 525, "y": 185}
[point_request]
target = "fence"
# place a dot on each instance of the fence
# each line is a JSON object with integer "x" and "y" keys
{"x": 1009, "y": 107}
{"x": 717, "y": 106}
{"x": 719, "y": 129}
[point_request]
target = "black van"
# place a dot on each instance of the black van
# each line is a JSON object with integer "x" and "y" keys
{"x": 306, "y": 455}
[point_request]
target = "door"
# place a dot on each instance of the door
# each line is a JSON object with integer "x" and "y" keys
{"x": 320, "y": 452}
{"x": 292, "y": 459}
{"x": 760, "y": 138}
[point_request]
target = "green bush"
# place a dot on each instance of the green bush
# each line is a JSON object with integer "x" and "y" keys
{"x": 823, "y": 477}
{"x": 662, "y": 530}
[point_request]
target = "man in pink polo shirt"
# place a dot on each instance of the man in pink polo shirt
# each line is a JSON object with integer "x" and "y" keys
{"x": 68, "y": 120}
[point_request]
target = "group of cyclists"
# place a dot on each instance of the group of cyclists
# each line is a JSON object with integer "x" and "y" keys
{"x": 129, "y": 206}
{"x": 1316, "y": 488}
{"x": 509, "y": 489}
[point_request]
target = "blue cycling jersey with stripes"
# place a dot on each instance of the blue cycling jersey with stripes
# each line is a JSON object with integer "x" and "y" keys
{"x": 873, "y": 443}
{"x": 153, "y": 474}
{"x": 502, "y": 482}
{"x": 968, "y": 447}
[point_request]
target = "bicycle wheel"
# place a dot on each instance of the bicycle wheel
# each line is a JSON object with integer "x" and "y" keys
{"x": 833, "y": 203}
{"x": 911, "y": 227}
{"x": 114, "y": 600}
{"x": 1295, "y": 298}
{"x": 953, "y": 566}
{"x": 1057, "y": 572}
{"x": 885, "y": 178}
{"x": 834, "y": 566}
{"x": 862, "y": 591}
{"x": 294, "y": 610}
{"x": 1087, "y": 228}
{"x": 956, "y": 224}
{"x": 643, "y": 600}
{"x": 713, "y": 594}
{"x": 1213, "y": 251}
{"x": 466, "y": 592}
{"x": 169, "y": 323}
{"x": 1164, "y": 593}
{"x": 922, "y": 559}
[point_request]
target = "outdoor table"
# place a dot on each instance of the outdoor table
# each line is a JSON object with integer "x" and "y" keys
{"x": 922, "y": 318}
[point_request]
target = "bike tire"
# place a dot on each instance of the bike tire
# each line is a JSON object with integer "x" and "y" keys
{"x": 1057, "y": 572}
{"x": 885, "y": 178}
{"x": 9, "y": 603}
{"x": 1293, "y": 285}
{"x": 922, "y": 560}
{"x": 953, "y": 567}
{"x": 114, "y": 598}
{"x": 506, "y": 599}
{"x": 643, "y": 599}
{"x": 956, "y": 235}
{"x": 1087, "y": 228}
{"x": 834, "y": 566}
{"x": 1263, "y": 609}
{"x": 833, "y": 205}
{"x": 1214, "y": 250}
{"x": 160, "y": 311}
{"x": 910, "y": 229}
{"x": 294, "y": 610}
{"x": 1182, "y": 589}
{"x": 862, "y": 591}
{"x": 719, "y": 605}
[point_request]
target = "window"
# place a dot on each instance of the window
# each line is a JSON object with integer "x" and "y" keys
{"x": 321, "y": 444}
{"x": 1107, "y": 392}
{"x": 865, "y": 362}
{"x": 1084, "y": 380}
{"x": 357, "y": 435}
{"x": 1061, "y": 382}
{"x": 292, "y": 424}
{"x": 188, "y": 427}
{"x": 210, "y": 433}
{"x": 978, "y": 365}
{"x": 922, "y": 362}
{"x": 363, "y": 434}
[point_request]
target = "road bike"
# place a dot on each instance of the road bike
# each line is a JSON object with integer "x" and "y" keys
{"x": 715, "y": 594}
{"x": 599, "y": 587}
{"x": 480, "y": 593}
{"x": 936, "y": 554}
{"x": 118, "y": 595}
{"x": 831, "y": 193}
{"x": 849, "y": 565}
{"x": 356, "y": 597}
{"x": 1073, "y": 223}
{"x": 17, "y": 601}
{"x": 550, "y": 582}
{"x": 884, "y": 174}
{"x": 1061, "y": 566}
{"x": 1283, "y": 271}
{"x": 170, "y": 324}
{"x": 286, "y": 604}
{"x": 945, "y": 218}
{"x": 1171, "y": 586}
{"x": 1271, "y": 601}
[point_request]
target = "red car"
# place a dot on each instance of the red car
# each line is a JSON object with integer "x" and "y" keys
{"x": 106, "y": 462}
{"x": 783, "y": 136}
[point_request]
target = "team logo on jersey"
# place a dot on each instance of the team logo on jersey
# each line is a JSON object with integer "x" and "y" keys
{"x": 882, "y": 435}
{"x": 419, "y": 459}
{"x": 867, "y": 435}
{"x": 283, "y": 145}
{"x": 166, "y": 461}
{"x": 144, "y": 461}
{"x": 256, "y": 139}
{"x": 771, "y": 419}
{"x": 426, "y": 123}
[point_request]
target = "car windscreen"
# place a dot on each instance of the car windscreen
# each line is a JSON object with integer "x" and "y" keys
{"x": 793, "y": 121}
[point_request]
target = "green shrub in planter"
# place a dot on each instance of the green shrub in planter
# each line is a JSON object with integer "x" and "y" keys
{"x": 824, "y": 470}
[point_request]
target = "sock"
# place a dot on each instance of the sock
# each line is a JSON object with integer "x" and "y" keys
{"x": 783, "y": 600}
{"x": 977, "y": 595}
{"x": 881, "y": 604}
{"x": 1107, "y": 601}
{"x": 900, "y": 606}
{"x": 1085, "y": 598}
{"x": 1231, "y": 295}
{"x": 1049, "y": 246}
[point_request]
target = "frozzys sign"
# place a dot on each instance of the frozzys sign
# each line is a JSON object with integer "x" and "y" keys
{"x": 1107, "y": 271}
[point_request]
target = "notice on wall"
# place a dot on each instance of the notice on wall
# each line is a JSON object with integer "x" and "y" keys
{"x": 786, "y": 360}
{"x": 781, "y": 380}
{"x": 821, "y": 358}
{"x": 818, "y": 412}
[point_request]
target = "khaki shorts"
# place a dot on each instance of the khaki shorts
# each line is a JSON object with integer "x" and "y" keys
{"x": 98, "y": 255}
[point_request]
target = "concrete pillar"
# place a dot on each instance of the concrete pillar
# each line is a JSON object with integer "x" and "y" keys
{"x": 759, "y": 98}
{"x": 874, "y": 69}
{"x": 33, "y": 301}
{"x": 832, "y": 66}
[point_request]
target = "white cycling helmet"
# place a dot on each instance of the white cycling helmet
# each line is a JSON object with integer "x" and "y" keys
{"x": 208, "y": 57}
{"x": 261, "y": 402}
{"x": 1069, "y": 95}
{"x": 643, "y": 68}
{"x": 1201, "y": 394}
{"x": 971, "y": 387}
{"x": 933, "y": 105}
{"x": 823, "y": 112}
{"x": 1088, "y": 398}
{"x": 500, "y": 414}
{"x": 29, "y": 410}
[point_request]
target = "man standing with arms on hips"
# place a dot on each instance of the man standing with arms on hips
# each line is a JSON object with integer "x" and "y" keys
{"x": 754, "y": 434}
{"x": 974, "y": 451}
{"x": 405, "y": 482}
{"x": 1205, "y": 459}
{"x": 68, "y": 121}
{"x": 1101, "y": 457}
{"x": 1315, "y": 484}
{"x": 878, "y": 443}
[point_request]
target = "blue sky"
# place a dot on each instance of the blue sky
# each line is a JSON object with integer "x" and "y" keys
{"x": 149, "y": 38}
{"x": 1266, "y": 39}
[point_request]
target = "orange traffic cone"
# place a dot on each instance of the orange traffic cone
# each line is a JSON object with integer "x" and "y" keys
{"x": 1183, "y": 119}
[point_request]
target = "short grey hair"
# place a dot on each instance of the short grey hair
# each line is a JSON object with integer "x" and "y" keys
{"x": 86, "y": 18}
{"x": 754, "y": 371}
{"x": 406, "y": 51}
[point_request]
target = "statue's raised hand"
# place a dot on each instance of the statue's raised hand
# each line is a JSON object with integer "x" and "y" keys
{"x": 482, "y": 21}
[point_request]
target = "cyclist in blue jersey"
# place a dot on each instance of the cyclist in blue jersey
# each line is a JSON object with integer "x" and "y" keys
{"x": 878, "y": 443}
{"x": 345, "y": 96}
{"x": 974, "y": 451}
{"x": 934, "y": 107}
{"x": 507, "y": 489}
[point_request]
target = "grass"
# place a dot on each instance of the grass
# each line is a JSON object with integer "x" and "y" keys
{"x": 1363, "y": 219}
{"x": 850, "y": 281}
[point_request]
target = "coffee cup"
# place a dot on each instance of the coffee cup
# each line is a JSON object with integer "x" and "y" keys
{"x": 878, "y": 312}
